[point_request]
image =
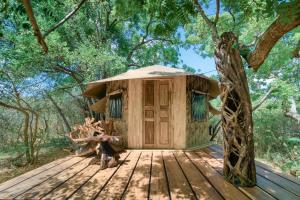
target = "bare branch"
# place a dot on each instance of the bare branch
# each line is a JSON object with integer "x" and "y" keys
{"x": 263, "y": 99}
{"x": 233, "y": 18}
{"x": 35, "y": 26}
{"x": 134, "y": 64}
{"x": 68, "y": 16}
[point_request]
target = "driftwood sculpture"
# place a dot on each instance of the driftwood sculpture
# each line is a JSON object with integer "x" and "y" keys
{"x": 100, "y": 138}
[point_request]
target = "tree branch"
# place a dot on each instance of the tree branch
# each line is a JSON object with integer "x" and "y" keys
{"x": 68, "y": 16}
{"x": 144, "y": 41}
{"x": 60, "y": 112}
{"x": 292, "y": 112}
{"x": 211, "y": 24}
{"x": 296, "y": 52}
{"x": 263, "y": 99}
{"x": 76, "y": 76}
{"x": 35, "y": 26}
{"x": 269, "y": 38}
{"x": 137, "y": 46}
{"x": 11, "y": 107}
{"x": 217, "y": 12}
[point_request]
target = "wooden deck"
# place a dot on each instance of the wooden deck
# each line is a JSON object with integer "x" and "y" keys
{"x": 147, "y": 175}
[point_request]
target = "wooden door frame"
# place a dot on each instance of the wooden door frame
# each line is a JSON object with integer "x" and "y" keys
{"x": 156, "y": 109}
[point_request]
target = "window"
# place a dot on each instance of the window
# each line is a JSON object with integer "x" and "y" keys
{"x": 115, "y": 106}
{"x": 199, "y": 109}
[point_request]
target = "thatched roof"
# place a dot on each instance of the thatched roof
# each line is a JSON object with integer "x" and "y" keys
{"x": 96, "y": 89}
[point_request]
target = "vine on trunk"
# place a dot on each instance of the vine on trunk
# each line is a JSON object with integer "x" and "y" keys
{"x": 237, "y": 125}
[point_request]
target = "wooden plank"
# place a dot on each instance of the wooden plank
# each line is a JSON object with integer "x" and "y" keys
{"x": 164, "y": 133}
{"x": 227, "y": 190}
{"x": 35, "y": 180}
{"x": 200, "y": 185}
{"x": 217, "y": 163}
{"x": 27, "y": 175}
{"x": 178, "y": 185}
{"x": 278, "y": 172}
{"x": 139, "y": 184}
{"x": 158, "y": 186}
{"x": 68, "y": 188}
{"x": 284, "y": 183}
{"x": 179, "y": 112}
{"x": 50, "y": 184}
{"x": 135, "y": 114}
{"x": 275, "y": 190}
{"x": 291, "y": 178}
{"x": 280, "y": 181}
{"x": 216, "y": 147}
{"x": 117, "y": 184}
{"x": 90, "y": 189}
{"x": 149, "y": 119}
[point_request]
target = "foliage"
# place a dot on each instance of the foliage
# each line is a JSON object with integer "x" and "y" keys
{"x": 277, "y": 138}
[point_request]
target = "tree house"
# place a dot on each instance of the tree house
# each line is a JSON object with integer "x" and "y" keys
{"x": 156, "y": 106}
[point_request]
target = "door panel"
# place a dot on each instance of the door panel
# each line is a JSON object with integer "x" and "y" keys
{"x": 149, "y": 93}
{"x": 163, "y": 93}
{"x": 149, "y": 133}
{"x": 164, "y": 112}
{"x": 156, "y": 133}
{"x": 164, "y": 133}
{"x": 149, "y": 114}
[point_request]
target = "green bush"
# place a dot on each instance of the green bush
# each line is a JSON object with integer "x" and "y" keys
{"x": 277, "y": 138}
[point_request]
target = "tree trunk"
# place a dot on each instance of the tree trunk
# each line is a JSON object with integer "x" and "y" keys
{"x": 26, "y": 137}
{"x": 61, "y": 113}
{"x": 237, "y": 125}
{"x": 25, "y": 129}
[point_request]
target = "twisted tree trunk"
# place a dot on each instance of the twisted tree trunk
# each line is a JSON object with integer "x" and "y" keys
{"x": 237, "y": 126}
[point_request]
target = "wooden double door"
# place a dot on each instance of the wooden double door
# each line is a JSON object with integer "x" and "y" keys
{"x": 156, "y": 114}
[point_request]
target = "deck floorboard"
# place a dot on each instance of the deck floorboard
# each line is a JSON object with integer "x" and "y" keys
{"x": 148, "y": 174}
{"x": 53, "y": 182}
{"x": 272, "y": 183}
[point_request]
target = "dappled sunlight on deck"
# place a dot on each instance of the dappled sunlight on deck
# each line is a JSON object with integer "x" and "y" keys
{"x": 147, "y": 174}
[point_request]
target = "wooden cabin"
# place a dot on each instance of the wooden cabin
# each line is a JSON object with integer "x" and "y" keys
{"x": 156, "y": 106}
